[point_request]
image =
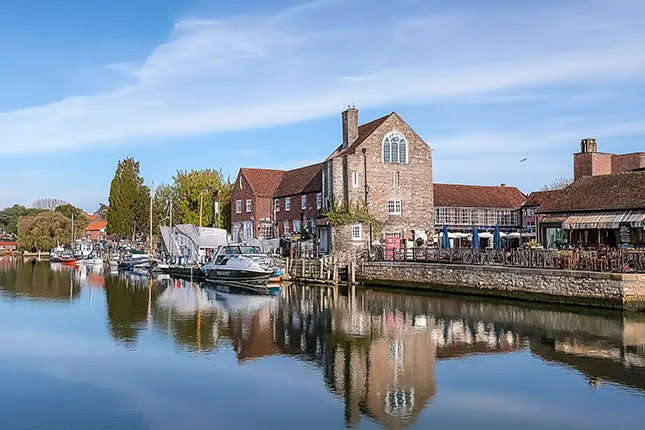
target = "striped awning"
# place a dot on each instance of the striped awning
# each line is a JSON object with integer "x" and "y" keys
{"x": 604, "y": 220}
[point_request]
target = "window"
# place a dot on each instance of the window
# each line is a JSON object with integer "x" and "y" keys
{"x": 319, "y": 201}
{"x": 355, "y": 179}
{"x": 238, "y": 206}
{"x": 395, "y": 148}
{"x": 357, "y": 234}
{"x": 394, "y": 207}
{"x": 276, "y": 205}
{"x": 287, "y": 204}
{"x": 296, "y": 225}
{"x": 396, "y": 179}
{"x": 286, "y": 226}
{"x": 303, "y": 202}
{"x": 248, "y": 205}
{"x": 266, "y": 231}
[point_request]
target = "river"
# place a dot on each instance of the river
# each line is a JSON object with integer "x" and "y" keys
{"x": 84, "y": 349}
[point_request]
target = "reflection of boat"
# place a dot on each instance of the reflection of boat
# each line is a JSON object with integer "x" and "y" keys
{"x": 235, "y": 301}
{"x": 238, "y": 263}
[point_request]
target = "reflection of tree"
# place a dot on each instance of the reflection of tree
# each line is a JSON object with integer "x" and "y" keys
{"x": 34, "y": 279}
{"x": 127, "y": 308}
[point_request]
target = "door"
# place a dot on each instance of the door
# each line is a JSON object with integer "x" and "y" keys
{"x": 324, "y": 240}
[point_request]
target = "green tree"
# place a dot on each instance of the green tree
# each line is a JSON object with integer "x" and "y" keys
{"x": 164, "y": 194}
{"x": 81, "y": 220}
{"x": 43, "y": 231}
{"x": 128, "y": 202}
{"x": 9, "y": 217}
{"x": 201, "y": 185}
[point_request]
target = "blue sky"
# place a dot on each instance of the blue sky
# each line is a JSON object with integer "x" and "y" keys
{"x": 193, "y": 84}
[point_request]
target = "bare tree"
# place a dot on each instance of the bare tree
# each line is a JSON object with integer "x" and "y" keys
{"x": 48, "y": 204}
{"x": 557, "y": 184}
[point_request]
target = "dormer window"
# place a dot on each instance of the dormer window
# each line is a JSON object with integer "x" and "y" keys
{"x": 395, "y": 148}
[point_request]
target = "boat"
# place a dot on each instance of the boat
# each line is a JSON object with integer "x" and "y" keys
{"x": 55, "y": 254}
{"x": 67, "y": 260}
{"x": 91, "y": 259}
{"x": 240, "y": 264}
{"x": 192, "y": 271}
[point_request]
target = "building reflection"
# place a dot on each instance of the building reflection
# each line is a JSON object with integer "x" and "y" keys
{"x": 36, "y": 280}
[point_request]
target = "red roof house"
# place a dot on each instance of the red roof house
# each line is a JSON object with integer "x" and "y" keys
{"x": 96, "y": 230}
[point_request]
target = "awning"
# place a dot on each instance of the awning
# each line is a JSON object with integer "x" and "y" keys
{"x": 604, "y": 220}
{"x": 554, "y": 219}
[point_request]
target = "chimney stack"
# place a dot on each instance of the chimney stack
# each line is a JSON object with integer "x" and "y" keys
{"x": 350, "y": 126}
{"x": 588, "y": 145}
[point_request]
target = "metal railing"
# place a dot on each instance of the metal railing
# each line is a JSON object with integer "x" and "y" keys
{"x": 616, "y": 261}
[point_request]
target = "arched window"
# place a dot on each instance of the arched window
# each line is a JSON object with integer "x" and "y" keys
{"x": 395, "y": 148}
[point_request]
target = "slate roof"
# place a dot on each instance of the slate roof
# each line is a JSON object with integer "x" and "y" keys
{"x": 618, "y": 191}
{"x": 306, "y": 179}
{"x": 364, "y": 131}
{"x": 477, "y": 196}
{"x": 537, "y": 198}
{"x": 263, "y": 182}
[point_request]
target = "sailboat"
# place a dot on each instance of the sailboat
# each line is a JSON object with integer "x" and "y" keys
{"x": 69, "y": 259}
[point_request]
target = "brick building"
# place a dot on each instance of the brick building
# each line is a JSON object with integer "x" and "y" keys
{"x": 590, "y": 162}
{"x": 387, "y": 164}
{"x": 298, "y": 199}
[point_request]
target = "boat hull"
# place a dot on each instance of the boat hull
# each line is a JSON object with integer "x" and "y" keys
{"x": 184, "y": 272}
{"x": 237, "y": 275}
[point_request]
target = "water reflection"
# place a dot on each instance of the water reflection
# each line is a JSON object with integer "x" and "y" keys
{"x": 378, "y": 352}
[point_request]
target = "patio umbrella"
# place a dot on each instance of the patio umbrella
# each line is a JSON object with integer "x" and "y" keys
{"x": 497, "y": 239}
{"x": 475, "y": 244}
{"x": 446, "y": 239}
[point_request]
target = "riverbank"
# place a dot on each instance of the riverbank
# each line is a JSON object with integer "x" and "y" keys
{"x": 593, "y": 289}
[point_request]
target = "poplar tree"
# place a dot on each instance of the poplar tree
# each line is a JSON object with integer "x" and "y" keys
{"x": 127, "y": 213}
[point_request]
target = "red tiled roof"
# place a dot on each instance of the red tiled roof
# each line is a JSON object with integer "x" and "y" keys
{"x": 619, "y": 191}
{"x": 96, "y": 226}
{"x": 306, "y": 179}
{"x": 477, "y": 196}
{"x": 364, "y": 131}
{"x": 263, "y": 182}
{"x": 8, "y": 243}
{"x": 538, "y": 198}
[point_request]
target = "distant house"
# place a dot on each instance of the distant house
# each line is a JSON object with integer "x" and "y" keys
{"x": 96, "y": 230}
{"x": 8, "y": 246}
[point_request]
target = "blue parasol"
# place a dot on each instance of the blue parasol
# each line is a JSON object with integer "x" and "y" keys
{"x": 497, "y": 238}
{"x": 446, "y": 240}
{"x": 475, "y": 243}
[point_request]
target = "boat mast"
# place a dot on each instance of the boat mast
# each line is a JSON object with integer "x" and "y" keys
{"x": 72, "y": 244}
{"x": 152, "y": 193}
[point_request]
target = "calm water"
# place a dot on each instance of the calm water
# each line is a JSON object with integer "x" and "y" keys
{"x": 80, "y": 349}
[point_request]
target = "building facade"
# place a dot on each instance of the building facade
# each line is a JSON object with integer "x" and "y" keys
{"x": 96, "y": 231}
{"x": 298, "y": 200}
{"x": 590, "y": 162}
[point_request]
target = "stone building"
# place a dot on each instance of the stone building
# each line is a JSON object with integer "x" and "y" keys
{"x": 590, "y": 162}
{"x": 385, "y": 164}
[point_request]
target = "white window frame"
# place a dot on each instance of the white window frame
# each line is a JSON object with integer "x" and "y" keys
{"x": 286, "y": 226}
{"x": 248, "y": 205}
{"x": 387, "y": 138}
{"x": 394, "y": 207}
{"x": 276, "y": 205}
{"x": 296, "y": 230}
{"x": 303, "y": 201}
{"x": 238, "y": 206}
{"x": 356, "y": 228}
{"x": 318, "y": 201}
{"x": 287, "y": 204}
{"x": 355, "y": 179}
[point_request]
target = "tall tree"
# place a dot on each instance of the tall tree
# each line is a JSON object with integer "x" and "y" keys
{"x": 9, "y": 217}
{"x": 48, "y": 204}
{"x": 128, "y": 202}
{"x": 164, "y": 195}
{"x": 43, "y": 231}
{"x": 557, "y": 184}
{"x": 198, "y": 187}
{"x": 81, "y": 220}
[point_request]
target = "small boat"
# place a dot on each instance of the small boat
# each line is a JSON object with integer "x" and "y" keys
{"x": 239, "y": 264}
{"x": 67, "y": 260}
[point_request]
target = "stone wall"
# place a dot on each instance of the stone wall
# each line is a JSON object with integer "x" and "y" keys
{"x": 623, "y": 291}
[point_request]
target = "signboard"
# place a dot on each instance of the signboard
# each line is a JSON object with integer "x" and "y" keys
{"x": 625, "y": 233}
{"x": 392, "y": 243}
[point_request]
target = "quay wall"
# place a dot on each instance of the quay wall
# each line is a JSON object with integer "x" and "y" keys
{"x": 609, "y": 290}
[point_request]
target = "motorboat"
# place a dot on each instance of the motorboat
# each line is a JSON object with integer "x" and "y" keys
{"x": 240, "y": 264}
{"x": 91, "y": 259}
{"x": 67, "y": 260}
{"x": 55, "y": 254}
{"x": 192, "y": 271}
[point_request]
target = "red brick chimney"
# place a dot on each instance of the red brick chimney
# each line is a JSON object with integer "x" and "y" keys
{"x": 350, "y": 126}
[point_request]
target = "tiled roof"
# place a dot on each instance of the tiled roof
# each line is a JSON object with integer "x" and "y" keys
{"x": 619, "y": 191}
{"x": 263, "y": 182}
{"x": 364, "y": 131}
{"x": 96, "y": 225}
{"x": 477, "y": 196}
{"x": 8, "y": 243}
{"x": 537, "y": 198}
{"x": 299, "y": 181}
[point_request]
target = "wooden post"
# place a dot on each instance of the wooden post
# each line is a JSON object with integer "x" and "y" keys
{"x": 321, "y": 268}
{"x": 336, "y": 274}
{"x": 352, "y": 272}
{"x": 303, "y": 267}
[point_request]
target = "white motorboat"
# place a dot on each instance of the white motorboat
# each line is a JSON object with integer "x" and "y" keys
{"x": 239, "y": 263}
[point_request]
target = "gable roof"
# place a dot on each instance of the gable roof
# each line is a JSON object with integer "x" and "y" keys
{"x": 538, "y": 198}
{"x": 477, "y": 196}
{"x": 306, "y": 179}
{"x": 263, "y": 182}
{"x": 618, "y": 191}
{"x": 96, "y": 225}
{"x": 364, "y": 131}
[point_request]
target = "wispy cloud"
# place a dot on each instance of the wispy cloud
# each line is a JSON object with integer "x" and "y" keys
{"x": 305, "y": 62}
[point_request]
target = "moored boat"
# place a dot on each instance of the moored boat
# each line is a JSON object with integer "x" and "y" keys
{"x": 232, "y": 264}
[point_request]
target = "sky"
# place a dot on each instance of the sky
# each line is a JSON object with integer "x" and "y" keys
{"x": 195, "y": 84}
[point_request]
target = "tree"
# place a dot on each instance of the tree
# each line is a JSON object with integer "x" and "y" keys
{"x": 201, "y": 185}
{"x": 43, "y": 231}
{"x": 81, "y": 220}
{"x": 48, "y": 204}
{"x": 101, "y": 213}
{"x": 557, "y": 184}
{"x": 164, "y": 195}
{"x": 129, "y": 201}
{"x": 9, "y": 217}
